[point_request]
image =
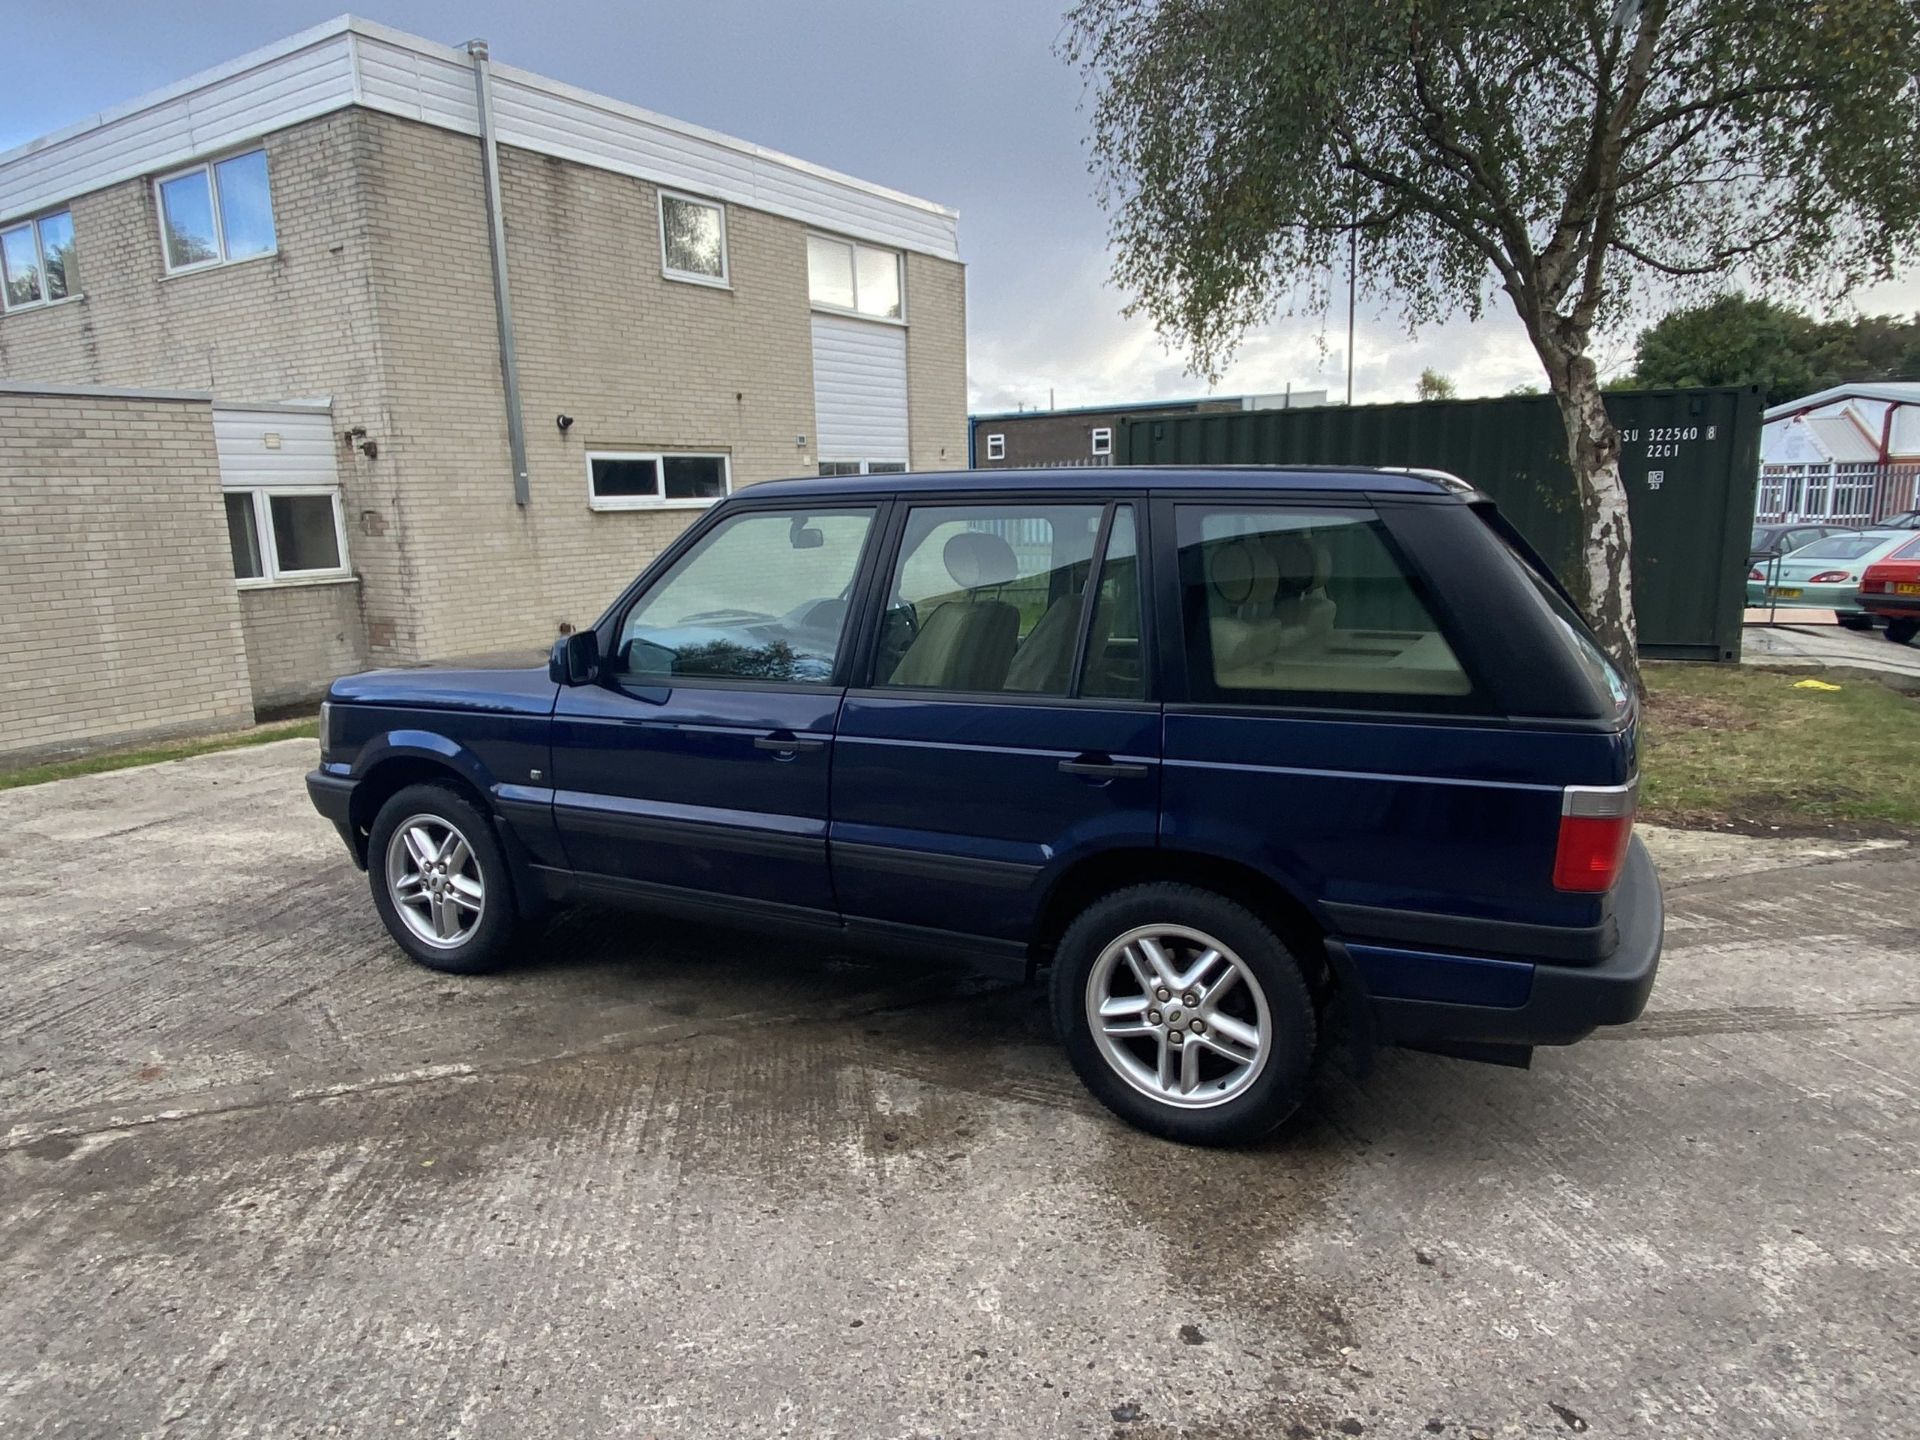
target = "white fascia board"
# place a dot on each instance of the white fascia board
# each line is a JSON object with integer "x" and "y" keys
{"x": 349, "y": 61}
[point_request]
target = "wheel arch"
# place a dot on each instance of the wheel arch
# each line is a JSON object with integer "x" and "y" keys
{"x": 402, "y": 758}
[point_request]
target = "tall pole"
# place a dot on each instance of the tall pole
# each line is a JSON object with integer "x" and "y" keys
{"x": 1353, "y": 255}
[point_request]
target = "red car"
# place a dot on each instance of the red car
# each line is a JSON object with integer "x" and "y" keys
{"x": 1891, "y": 587}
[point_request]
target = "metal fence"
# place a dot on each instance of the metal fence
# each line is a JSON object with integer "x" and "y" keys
{"x": 1851, "y": 493}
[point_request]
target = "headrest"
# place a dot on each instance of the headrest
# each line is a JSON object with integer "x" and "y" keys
{"x": 979, "y": 557}
{"x": 1241, "y": 572}
{"x": 1297, "y": 563}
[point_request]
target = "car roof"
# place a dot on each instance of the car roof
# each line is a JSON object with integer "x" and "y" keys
{"x": 1355, "y": 478}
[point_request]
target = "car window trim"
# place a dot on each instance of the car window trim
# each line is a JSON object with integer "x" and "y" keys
{"x": 1084, "y": 626}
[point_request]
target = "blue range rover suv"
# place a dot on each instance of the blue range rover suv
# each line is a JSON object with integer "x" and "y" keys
{"x": 1246, "y": 757}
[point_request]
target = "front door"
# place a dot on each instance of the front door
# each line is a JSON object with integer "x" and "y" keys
{"x": 697, "y": 766}
{"x": 1006, "y": 731}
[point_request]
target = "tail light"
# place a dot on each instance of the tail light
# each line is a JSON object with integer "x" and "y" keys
{"x": 1872, "y": 587}
{"x": 1754, "y": 574}
{"x": 1596, "y": 822}
{"x": 1830, "y": 577}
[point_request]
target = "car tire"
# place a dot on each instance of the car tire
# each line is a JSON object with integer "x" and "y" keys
{"x": 1857, "y": 622}
{"x": 1235, "y": 1091}
{"x": 1902, "y": 630}
{"x": 440, "y": 880}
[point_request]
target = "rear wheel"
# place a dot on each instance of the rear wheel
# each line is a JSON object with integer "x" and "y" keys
{"x": 1902, "y": 630}
{"x": 440, "y": 880}
{"x": 1184, "y": 1014}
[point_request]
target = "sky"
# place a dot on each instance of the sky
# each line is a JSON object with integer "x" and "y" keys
{"x": 960, "y": 101}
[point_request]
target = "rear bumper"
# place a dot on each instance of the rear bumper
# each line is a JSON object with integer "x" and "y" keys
{"x": 1894, "y": 607}
{"x": 332, "y": 796}
{"x": 1432, "y": 1000}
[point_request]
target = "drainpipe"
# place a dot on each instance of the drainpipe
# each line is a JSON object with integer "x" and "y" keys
{"x": 497, "y": 242}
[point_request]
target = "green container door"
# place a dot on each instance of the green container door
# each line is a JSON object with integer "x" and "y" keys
{"x": 1690, "y": 460}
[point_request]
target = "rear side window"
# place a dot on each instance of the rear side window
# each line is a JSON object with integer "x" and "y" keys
{"x": 1291, "y": 606}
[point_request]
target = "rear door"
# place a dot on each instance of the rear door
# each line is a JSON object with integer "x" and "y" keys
{"x": 1004, "y": 728}
{"x": 697, "y": 766}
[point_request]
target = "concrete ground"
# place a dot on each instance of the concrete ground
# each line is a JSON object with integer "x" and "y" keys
{"x": 1814, "y": 638}
{"x": 263, "y": 1177}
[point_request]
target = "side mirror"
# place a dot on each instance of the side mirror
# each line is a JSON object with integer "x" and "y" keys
{"x": 575, "y": 659}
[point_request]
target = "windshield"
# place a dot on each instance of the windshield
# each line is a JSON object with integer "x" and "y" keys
{"x": 1839, "y": 547}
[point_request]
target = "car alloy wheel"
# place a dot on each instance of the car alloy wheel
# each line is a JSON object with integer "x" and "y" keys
{"x": 435, "y": 882}
{"x": 1178, "y": 1016}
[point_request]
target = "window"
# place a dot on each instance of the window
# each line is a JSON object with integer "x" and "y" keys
{"x": 693, "y": 239}
{"x": 217, "y": 213}
{"x": 36, "y": 262}
{"x": 996, "y": 447}
{"x": 1116, "y": 664}
{"x": 1284, "y": 606}
{"x": 279, "y": 535}
{"x": 618, "y": 480}
{"x": 759, "y": 597}
{"x": 1103, "y": 441}
{"x": 987, "y": 598}
{"x": 863, "y": 467}
{"x": 844, "y": 275}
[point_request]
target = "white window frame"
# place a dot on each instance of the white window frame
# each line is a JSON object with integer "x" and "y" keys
{"x": 32, "y": 223}
{"x": 596, "y": 501}
{"x": 853, "y": 246}
{"x": 1103, "y": 440}
{"x": 996, "y": 447}
{"x": 271, "y": 573}
{"x": 866, "y": 466}
{"x": 693, "y": 277}
{"x": 219, "y": 225}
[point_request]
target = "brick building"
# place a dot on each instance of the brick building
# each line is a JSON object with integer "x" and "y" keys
{"x": 1096, "y": 434}
{"x": 306, "y": 237}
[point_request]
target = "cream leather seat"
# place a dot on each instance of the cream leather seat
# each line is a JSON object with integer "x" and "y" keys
{"x": 967, "y": 644}
{"x": 1270, "y": 601}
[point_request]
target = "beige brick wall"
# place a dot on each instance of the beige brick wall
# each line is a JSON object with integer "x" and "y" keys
{"x": 381, "y": 297}
{"x": 298, "y": 638}
{"x": 936, "y": 363}
{"x": 118, "y": 618}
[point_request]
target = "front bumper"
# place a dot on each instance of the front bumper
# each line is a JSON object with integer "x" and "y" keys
{"x": 332, "y": 796}
{"x": 1430, "y": 1000}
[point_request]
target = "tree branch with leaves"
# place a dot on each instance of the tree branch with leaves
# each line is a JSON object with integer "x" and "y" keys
{"x": 1579, "y": 157}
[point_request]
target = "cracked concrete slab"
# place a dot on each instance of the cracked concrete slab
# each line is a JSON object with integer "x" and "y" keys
{"x": 261, "y": 1176}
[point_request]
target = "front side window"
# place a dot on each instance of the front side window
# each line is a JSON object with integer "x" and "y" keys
{"x": 846, "y": 275}
{"x": 987, "y": 598}
{"x": 280, "y": 535}
{"x": 642, "y": 480}
{"x": 217, "y": 213}
{"x": 37, "y": 263}
{"x": 1292, "y": 606}
{"x": 758, "y": 597}
{"x": 693, "y": 239}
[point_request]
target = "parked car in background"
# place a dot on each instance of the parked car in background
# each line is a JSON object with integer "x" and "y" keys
{"x": 1905, "y": 520}
{"x": 1249, "y": 758}
{"x": 1890, "y": 587}
{"x": 1824, "y": 575}
{"x": 1771, "y": 541}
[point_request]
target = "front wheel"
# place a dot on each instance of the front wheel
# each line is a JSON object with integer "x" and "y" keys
{"x": 440, "y": 880}
{"x": 1184, "y": 1014}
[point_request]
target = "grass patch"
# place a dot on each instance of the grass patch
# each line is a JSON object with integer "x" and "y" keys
{"x": 1733, "y": 747}
{"x": 154, "y": 754}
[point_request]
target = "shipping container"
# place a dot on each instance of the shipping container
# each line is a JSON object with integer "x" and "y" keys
{"x": 1690, "y": 460}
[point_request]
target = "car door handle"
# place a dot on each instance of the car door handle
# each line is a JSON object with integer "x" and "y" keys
{"x": 785, "y": 742}
{"x": 1102, "y": 769}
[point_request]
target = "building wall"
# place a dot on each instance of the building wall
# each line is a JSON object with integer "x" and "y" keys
{"x": 937, "y": 362}
{"x": 380, "y": 297}
{"x": 1047, "y": 438}
{"x": 118, "y": 617}
{"x": 299, "y": 637}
